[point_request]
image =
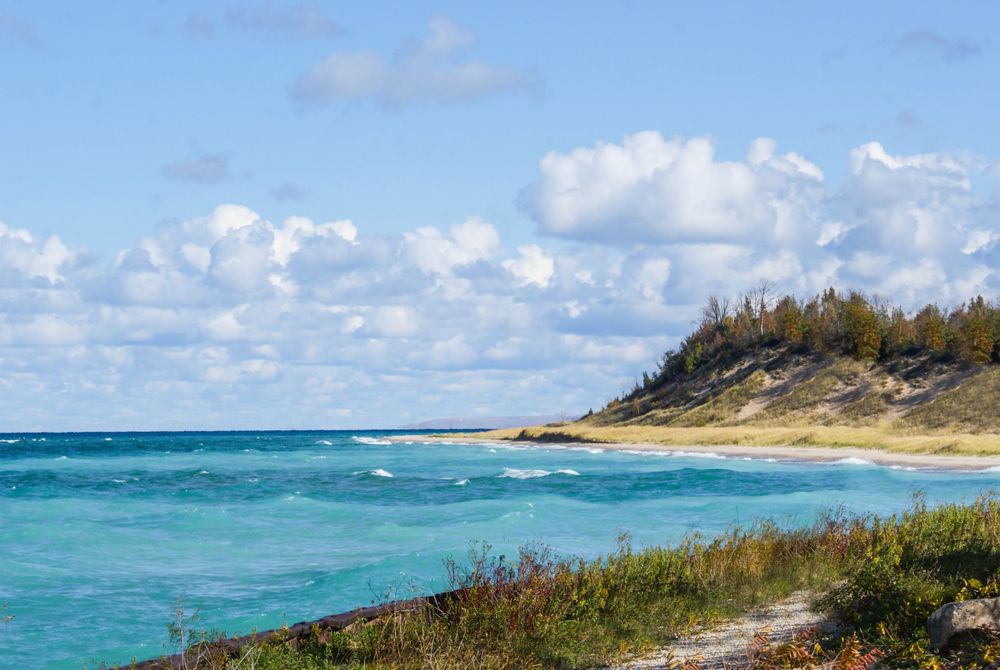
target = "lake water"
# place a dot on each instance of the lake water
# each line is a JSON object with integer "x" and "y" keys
{"x": 101, "y": 536}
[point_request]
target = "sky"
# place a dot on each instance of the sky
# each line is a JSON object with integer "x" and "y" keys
{"x": 269, "y": 215}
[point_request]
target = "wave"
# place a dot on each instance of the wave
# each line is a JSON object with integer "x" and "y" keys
{"x": 517, "y": 473}
{"x": 370, "y": 440}
{"x": 377, "y": 472}
{"x": 325, "y": 442}
{"x": 461, "y": 482}
{"x": 852, "y": 460}
{"x": 11, "y": 441}
{"x": 698, "y": 454}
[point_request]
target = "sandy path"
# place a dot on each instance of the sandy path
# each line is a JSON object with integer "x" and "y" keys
{"x": 726, "y": 646}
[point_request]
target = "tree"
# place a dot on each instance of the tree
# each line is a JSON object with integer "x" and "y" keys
{"x": 862, "y": 327}
{"x": 931, "y": 328}
{"x": 788, "y": 320}
{"x": 715, "y": 312}
{"x": 977, "y": 332}
{"x": 760, "y": 298}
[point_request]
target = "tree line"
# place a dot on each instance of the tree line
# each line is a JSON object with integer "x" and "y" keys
{"x": 840, "y": 323}
{"x": 832, "y": 322}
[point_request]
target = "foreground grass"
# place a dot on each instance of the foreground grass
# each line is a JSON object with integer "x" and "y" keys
{"x": 882, "y": 578}
{"x": 881, "y": 438}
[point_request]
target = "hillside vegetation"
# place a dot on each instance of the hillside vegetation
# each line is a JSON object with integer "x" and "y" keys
{"x": 881, "y": 578}
{"x": 836, "y": 370}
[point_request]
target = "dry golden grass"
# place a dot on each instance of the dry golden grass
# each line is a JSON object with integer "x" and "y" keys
{"x": 881, "y": 438}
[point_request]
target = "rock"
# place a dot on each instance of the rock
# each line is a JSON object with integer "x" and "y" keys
{"x": 959, "y": 617}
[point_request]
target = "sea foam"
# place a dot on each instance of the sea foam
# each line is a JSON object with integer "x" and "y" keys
{"x": 517, "y": 473}
{"x": 377, "y": 472}
{"x": 363, "y": 439}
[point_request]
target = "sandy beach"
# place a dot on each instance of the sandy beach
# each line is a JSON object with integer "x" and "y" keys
{"x": 782, "y": 453}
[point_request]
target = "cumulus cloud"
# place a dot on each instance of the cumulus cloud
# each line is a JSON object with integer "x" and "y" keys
{"x": 534, "y": 267}
{"x": 774, "y": 214}
{"x": 230, "y": 319}
{"x": 432, "y": 70}
{"x": 205, "y": 168}
{"x": 654, "y": 189}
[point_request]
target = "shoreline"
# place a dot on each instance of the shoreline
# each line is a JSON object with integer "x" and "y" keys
{"x": 787, "y": 453}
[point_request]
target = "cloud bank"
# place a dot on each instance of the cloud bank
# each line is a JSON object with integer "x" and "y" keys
{"x": 231, "y": 320}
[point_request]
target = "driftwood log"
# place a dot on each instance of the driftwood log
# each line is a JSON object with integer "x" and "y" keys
{"x": 295, "y": 633}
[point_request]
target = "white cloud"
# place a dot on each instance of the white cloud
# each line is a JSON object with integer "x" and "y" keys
{"x": 390, "y": 321}
{"x": 533, "y": 267}
{"x": 231, "y": 320}
{"x": 434, "y": 252}
{"x": 433, "y": 70}
{"x": 652, "y": 189}
{"x": 25, "y": 258}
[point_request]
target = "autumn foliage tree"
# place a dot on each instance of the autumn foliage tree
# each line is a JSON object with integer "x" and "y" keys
{"x": 834, "y": 323}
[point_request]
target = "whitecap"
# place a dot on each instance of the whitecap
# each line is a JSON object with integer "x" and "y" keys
{"x": 203, "y": 472}
{"x": 461, "y": 482}
{"x": 119, "y": 481}
{"x": 517, "y": 473}
{"x": 369, "y": 440}
{"x": 698, "y": 454}
{"x": 317, "y": 458}
{"x": 107, "y": 439}
{"x": 12, "y": 441}
{"x": 325, "y": 442}
{"x": 377, "y": 472}
{"x": 62, "y": 458}
{"x": 853, "y": 460}
{"x": 906, "y": 468}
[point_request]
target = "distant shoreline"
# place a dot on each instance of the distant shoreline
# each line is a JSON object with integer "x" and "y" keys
{"x": 808, "y": 454}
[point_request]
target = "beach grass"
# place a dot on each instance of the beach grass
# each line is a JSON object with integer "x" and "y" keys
{"x": 882, "y": 438}
{"x": 880, "y": 578}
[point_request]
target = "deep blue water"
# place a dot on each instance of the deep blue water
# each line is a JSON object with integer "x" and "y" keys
{"x": 102, "y": 535}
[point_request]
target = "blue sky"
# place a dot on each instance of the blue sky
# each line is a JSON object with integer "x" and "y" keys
{"x": 582, "y": 174}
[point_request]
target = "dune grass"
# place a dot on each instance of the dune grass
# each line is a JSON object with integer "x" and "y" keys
{"x": 881, "y": 579}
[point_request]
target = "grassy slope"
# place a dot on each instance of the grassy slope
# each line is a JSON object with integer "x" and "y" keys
{"x": 778, "y": 398}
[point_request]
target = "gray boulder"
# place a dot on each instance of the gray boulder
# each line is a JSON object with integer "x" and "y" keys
{"x": 967, "y": 615}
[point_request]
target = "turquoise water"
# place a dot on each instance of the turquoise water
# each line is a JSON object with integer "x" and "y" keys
{"x": 101, "y": 535}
